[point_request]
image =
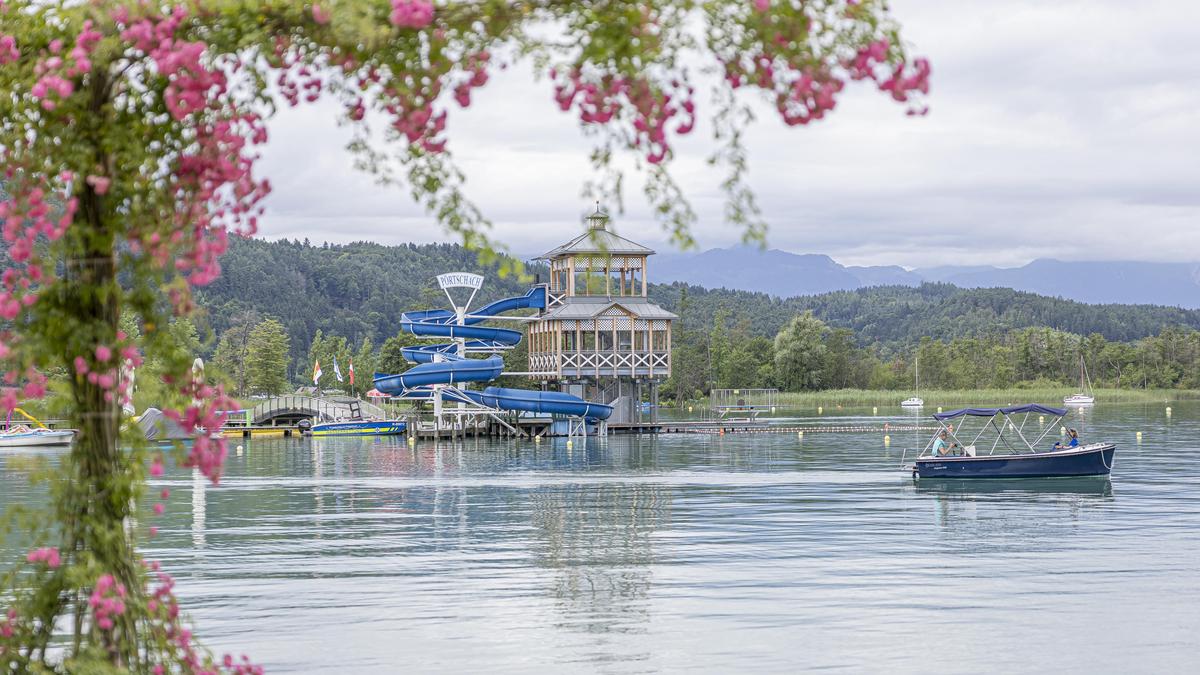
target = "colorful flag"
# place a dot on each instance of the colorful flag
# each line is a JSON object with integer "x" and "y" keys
{"x": 317, "y": 372}
{"x": 350, "y": 372}
{"x": 337, "y": 372}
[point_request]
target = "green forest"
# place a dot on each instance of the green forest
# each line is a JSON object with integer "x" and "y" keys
{"x": 280, "y": 306}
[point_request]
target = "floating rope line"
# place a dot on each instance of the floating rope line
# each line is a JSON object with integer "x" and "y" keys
{"x": 733, "y": 429}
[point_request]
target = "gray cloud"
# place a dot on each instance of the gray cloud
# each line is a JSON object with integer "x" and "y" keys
{"x": 1058, "y": 129}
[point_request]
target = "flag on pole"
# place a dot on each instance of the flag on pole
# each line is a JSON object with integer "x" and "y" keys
{"x": 350, "y": 372}
{"x": 337, "y": 372}
{"x": 317, "y": 372}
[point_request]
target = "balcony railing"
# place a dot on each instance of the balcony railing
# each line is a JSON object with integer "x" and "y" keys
{"x": 601, "y": 363}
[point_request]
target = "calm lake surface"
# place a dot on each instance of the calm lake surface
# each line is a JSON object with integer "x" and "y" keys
{"x": 742, "y": 552}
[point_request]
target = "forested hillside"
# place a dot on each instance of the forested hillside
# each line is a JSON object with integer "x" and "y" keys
{"x": 894, "y": 316}
{"x": 350, "y": 293}
{"x": 354, "y": 291}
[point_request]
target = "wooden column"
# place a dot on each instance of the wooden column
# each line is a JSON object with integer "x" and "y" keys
{"x": 645, "y": 270}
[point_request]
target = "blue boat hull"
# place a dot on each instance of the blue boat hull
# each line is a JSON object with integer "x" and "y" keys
{"x": 1087, "y": 461}
{"x": 358, "y": 429}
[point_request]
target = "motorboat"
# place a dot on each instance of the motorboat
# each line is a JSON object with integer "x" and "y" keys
{"x": 1079, "y": 399}
{"x": 21, "y": 436}
{"x": 358, "y": 428}
{"x": 914, "y": 402}
{"x": 1011, "y": 453}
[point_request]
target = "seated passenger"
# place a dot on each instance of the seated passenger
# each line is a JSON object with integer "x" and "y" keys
{"x": 942, "y": 445}
{"x": 1073, "y": 443}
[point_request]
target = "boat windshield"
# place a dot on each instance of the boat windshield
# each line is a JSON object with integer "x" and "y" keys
{"x": 1018, "y": 429}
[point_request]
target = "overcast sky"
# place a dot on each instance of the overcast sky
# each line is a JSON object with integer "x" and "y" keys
{"x": 1057, "y": 129}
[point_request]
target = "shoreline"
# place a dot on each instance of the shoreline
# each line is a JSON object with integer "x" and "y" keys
{"x": 984, "y": 397}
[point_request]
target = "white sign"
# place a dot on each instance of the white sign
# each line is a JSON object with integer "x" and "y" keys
{"x": 460, "y": 280}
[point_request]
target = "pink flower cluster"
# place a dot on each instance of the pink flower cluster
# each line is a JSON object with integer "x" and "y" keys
{"x": 8, "y": 625}
{"x": 216, "y": 188}
{"x": 651, "y": 107}
{"x": 34, "y": 387}
{"x": 412, "y": 13}
{"x": 55, "y": 74}
{"x": 476, "y": 65}
{"x": 109, "y": 368}
{"x": 804, "y": 93}
{"x": 26, "y": 215}
{"x": 415, "y": 118}
{"x": 8, "y": 49}
{"x": 163, "y": 609}
{"x": 107, "y": 601}
{"x": 47, "y": 554}
{"x": 203, "y": 420}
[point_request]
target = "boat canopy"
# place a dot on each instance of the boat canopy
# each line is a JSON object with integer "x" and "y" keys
{"x": 1009, "y": 410}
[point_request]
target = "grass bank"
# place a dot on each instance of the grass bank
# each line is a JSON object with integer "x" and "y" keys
{"x": 955, "y": 397}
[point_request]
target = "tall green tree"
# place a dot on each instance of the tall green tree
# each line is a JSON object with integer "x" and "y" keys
{"x": 800, "y": 353}
{"x": 267, "y": 358}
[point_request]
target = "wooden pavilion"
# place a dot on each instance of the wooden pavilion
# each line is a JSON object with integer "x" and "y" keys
{"x": 600, "y": 337}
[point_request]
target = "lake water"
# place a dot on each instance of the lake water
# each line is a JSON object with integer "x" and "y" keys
{"x": 741, "y": 552}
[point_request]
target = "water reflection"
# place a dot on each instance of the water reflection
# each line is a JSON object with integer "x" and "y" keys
{"x": 598, "y": 541}
{"x": 199, "y": 504}
{"x": 1024, "y": 488}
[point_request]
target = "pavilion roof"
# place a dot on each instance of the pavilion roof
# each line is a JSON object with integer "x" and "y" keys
{"x": 597, "y": 240}
{"x": 592, "y": 307}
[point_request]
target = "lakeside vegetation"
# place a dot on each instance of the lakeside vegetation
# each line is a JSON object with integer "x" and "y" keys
{"x": 890, "y": 400}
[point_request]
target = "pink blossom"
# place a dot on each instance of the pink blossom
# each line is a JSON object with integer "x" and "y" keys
{"x": 100, "y": 185}
{"x": 8, "y": 49}
{"x": 762, "y": 5}
{"x": 320, "y": 15}
{"x": 48, "y": 555}
{"x": 156, "y": 467}
{"x": 412, "y": 13}
{"x": 159, "y": 509}
{"x": 103, "y": 353}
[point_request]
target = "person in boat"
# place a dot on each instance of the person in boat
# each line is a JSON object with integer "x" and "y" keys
{"x": 1072, "y": 443}
{"x": 943, "y": 446}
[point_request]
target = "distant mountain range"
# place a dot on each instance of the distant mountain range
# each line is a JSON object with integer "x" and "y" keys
{"x": 786, "y": 274}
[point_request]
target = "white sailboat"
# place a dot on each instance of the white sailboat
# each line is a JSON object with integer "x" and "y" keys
{"x": 915, "y": 401}
{"x": 1085, "y": 396}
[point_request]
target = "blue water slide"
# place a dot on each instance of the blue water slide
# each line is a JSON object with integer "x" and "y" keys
{"x": 441, "y": 364}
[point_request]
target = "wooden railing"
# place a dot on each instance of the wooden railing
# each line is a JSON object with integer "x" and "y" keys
{"x": 600, "y": 363}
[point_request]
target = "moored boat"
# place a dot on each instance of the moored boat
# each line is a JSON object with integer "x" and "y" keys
{"x": 24, "y": 437}
{"x": 358, "y": 428}
{"x": 915, "y": 401}
{"x": 1085, "y": 395}
{"x": 946, "y": 456}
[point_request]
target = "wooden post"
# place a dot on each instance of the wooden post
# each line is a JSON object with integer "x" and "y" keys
{"x": 645, "y": 270}
{"x": 668, "y": 348}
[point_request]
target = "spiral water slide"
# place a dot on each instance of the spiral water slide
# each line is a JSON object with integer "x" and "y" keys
{"x": 441, "y": 364}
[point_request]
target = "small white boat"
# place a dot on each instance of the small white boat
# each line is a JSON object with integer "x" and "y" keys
{"x": 915, "y": 401}
{"x": 23, "y": 437}
{"x": 1084, "y": 397}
